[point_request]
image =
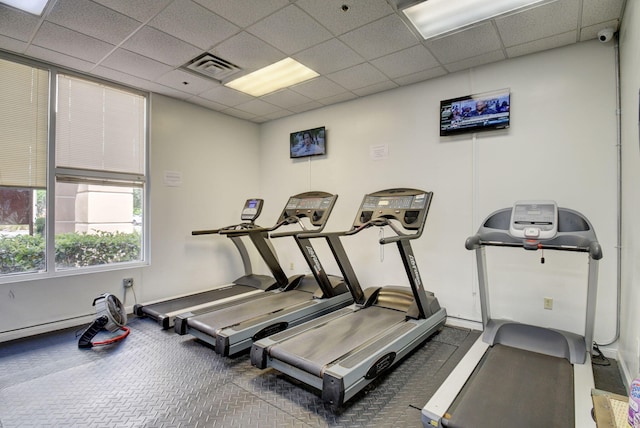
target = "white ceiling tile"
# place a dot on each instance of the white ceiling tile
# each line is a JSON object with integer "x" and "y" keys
{"x": 161, "y": 46}
{"x": 227, "y": 96}
{"x": 124, "y": 78}
{"x": 194, "y": 24}
{"x": 465, "y": 44}
{"x": 358, "y": 77}
{"x": 60, "y": 39}
{"x": 257, "y": 107}
{"x": 306, "y": 107}
{"x": 380, "y": 38}
{"x": 373, "y": 89}
{"x": 16, "y": 24}
{"x": 135, "y": 64}
{"x": 243, "y": 12}
{"x": 420, "y": 76}
{"x": 240, "y": 114}
{"x": 207, "y": 103}
{"x": 330, "y": 56}
{"x": 59, "y": 59}
{"x": 186, "y": 82}
{"x": 539, "y": 22}
{"x": 476, "y": 61}
{"x": 590, "y": 33}
{"x": 408, "y": 61}
{"x": 247, "y": 52}
{"x": 317, "y": 88}
{"x": 334, "y": 99}
{"x": 140, "y": 10}
{"x": 598, "y": 11}
{"x": 330, "y": 13}
{"x": 93, "y": 20}
{"x": 365, "y": 49}
{"x": 171, "y": 92}
{"x": 285, "y": 98}
{"x": 542, "y": 44}
{"x": 290, "y": 30}
{"x": 12, "y": 45}
{"x": 272, "y": 116}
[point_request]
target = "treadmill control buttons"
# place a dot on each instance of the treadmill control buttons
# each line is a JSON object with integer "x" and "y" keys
{"x": 531, "y": 232}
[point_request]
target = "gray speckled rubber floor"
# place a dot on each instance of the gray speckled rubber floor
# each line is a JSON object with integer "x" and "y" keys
{"x": 155, "y": 378}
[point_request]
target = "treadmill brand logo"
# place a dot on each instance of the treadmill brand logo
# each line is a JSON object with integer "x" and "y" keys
{"x": 381, "y": 365}
{"x": 414, "y": 267}
{"x": 314, "y": 258}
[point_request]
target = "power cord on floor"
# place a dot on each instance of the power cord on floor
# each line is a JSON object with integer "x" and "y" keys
{"x": 599, "y": 359}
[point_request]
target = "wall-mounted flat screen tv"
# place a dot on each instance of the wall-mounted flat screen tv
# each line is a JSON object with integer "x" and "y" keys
{"x": 474, "y": 113}
{"x": 310, "y": 142}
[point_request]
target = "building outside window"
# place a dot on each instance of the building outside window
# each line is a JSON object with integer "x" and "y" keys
{"x": 72, "y": 172}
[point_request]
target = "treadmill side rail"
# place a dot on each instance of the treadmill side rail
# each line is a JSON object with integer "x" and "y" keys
{"x": 437, "y": 406}
{"x": 583, "y": 384}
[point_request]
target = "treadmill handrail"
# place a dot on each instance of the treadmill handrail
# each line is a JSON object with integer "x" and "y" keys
{"x": 376, "y": 222}
{"x": 288, "y": 217}
{"x": 288, "y": 220}
{"x": 240, "y": 227}
{"x": 494, "y": 232}
{"x": 404, "y": 248}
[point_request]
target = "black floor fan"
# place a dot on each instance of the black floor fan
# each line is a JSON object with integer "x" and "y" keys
{"x": 110, "y": 315}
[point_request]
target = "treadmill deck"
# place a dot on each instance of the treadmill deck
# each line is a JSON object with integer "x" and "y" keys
{"x": 539, "y": 387}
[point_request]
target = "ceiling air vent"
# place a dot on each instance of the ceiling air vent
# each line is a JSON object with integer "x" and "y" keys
{"x": 212, "y": 66}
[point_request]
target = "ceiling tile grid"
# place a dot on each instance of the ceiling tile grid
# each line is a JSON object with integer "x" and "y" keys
{"x": 359, "y": 47}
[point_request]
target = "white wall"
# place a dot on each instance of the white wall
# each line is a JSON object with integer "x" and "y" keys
{"x": 217, "y": 157}
{"x": 561, "y": 146}
{"x": 629, "y": 347}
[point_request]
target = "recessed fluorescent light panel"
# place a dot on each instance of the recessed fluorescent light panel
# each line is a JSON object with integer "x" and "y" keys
{"x": 32, "y": 6}
{"x": 276, "y": 76}
{"x": 436, "y": 17}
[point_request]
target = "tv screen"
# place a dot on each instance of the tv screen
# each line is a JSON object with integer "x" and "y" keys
{"x": 473, "y": 113}
{"x": 311, "y": 142}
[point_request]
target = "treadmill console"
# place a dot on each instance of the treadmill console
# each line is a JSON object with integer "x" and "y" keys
{"x": 408, "y": 206}
{"x": 252, "y": 209}
{"x": 314, "y": 205}
{"x": 534, "y": 220}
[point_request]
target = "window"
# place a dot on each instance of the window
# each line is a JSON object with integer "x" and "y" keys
{"x": 72, "y": 198}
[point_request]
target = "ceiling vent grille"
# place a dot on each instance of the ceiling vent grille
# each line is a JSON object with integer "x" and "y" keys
{"x": 212, "y": 66}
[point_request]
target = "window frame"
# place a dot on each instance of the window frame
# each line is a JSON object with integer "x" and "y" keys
{"x": 53, "y": 173}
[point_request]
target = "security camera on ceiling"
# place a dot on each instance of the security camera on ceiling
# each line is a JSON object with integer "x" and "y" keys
{"x": 606, "y": 35}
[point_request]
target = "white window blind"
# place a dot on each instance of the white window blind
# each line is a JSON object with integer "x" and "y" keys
{"x": 23, "y": 125}
{"x": 99, "y": 128}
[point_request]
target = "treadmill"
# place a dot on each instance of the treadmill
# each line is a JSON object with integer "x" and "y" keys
{"x": 165, "y": 311}
{"x": 233, "y": 329}
{"x": 342, "y": 352}
{"x": 517, "y": 374}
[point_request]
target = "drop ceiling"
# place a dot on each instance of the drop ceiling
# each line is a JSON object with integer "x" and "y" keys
{"x": 365, "y": 49}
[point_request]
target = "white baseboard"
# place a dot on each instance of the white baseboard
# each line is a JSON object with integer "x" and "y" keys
{"x": 52, "y": 326}
{"x": 45, "y": 328}
{"x": 464, "y": 323}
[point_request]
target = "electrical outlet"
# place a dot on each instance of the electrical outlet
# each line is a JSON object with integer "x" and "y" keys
{"x": 127, "y": 282}
{"x": 548, "y": 303}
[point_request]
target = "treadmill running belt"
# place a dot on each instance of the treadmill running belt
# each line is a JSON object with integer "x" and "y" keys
{"x": 327, "y": 343}
{"x": 512, "y": 387}
{"x": 173, "y": 305}
{"x": 210, "y": 322}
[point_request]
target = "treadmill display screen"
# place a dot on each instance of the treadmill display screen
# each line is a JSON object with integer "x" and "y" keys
{"x": 308, "y": 203}
{"x": 395, "y": 202}
{"x": 533, "y": 219}
{"x": 252, "y": 209}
